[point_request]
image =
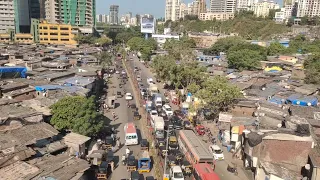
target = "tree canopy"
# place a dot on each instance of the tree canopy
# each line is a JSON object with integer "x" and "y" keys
{"x": 312, "y": 66}
{"x": 244, "y": 59}
{"x": 144, "y": 46}
{"x": 105, "y": 59}
{"x": 103, "y": 41}
{"x": 78, "y": 114}
{"x": 246, "y": 24}
{"x": 85, "y": 39}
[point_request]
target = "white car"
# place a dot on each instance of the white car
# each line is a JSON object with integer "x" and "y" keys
{"x": 139, "y": 78}
{"x": 176, "y": 173}
{"x": 216, "y": 152}
{"x": 129, "y": 96}
{"x": 123, "y": 72}
{"x": 154, "y": 113}
{"x": 117, "y": 72}
{"x": 143, "y": 92}
{"x": 167, "y": 109}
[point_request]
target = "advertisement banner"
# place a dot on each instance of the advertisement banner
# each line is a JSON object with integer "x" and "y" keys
{"x": 147, "y": 25}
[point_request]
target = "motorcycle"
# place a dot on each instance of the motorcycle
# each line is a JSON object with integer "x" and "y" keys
{"x": 232, "y": 169}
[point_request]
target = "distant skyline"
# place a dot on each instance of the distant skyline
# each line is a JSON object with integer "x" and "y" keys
{"x": 154, "y": 7}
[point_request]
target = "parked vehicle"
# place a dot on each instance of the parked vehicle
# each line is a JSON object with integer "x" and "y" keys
{"x": 176, "y": 173}
{"x": 167, "y": 109}
{"x": 144, "y": 162}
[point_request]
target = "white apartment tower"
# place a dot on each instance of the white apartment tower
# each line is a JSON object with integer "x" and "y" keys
{"x": 245, "y": 4}
{"x": 172, "y": 11}
{"x": 263, "y": 8}
{"x": 6, "y": 15}
{"x": 309, "y": 8}
{"x": 223, "y": 6}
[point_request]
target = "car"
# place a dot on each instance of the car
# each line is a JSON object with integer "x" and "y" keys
{"x": 161, "y": 112}
{"x": 123, "y": 72}
{"x": 150, "y": 178}
{"x": 136, "y": 68}
{"x": 128, "y": 96}
{"x": 139, "y": 78}
{"x": 167, "y": 109}
{"x": 150, "y": 81}
{"x": 117, "y": 72}
{"x": 153, "y": 112}
{"x": 135, "y": 175}
{"x": 143, "y": 91}
{"x": 176, "y": 122}
{"x": 216, "y": 152}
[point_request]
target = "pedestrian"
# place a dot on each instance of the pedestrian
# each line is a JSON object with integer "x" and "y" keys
{"x": 113, "y": 149}
{"x": 118, "y": 143}
{"x": 128, "y": 152}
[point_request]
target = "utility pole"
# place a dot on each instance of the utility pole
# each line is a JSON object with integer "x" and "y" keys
{"x": 165, "y": 159}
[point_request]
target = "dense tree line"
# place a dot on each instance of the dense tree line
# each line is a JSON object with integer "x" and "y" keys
{"x": 179, "y": 70}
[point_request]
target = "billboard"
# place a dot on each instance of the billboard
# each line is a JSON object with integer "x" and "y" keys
{"x": 147, "y": 25}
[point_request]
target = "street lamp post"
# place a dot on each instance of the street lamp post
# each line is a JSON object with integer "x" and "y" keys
{"x": 165, "y": 159}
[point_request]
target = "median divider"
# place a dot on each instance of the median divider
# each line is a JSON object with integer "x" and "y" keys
{"x": 158, "y": 170}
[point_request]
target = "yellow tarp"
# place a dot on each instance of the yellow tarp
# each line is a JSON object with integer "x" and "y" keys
{"x": 273, "y": 68}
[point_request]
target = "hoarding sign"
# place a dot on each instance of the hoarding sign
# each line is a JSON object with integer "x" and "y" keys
{"x": 147, "y": 24}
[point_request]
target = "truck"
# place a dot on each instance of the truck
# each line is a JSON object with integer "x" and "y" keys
{"x": 157, "y": 100}
{"x": 153, "y": 89}
{"x": 159, "y": 127}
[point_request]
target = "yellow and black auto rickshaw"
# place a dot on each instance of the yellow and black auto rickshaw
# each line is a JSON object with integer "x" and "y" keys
{"x": 131, "y": 164}
{"x": 144, "y": 144}
{"x": 136, "y": 115}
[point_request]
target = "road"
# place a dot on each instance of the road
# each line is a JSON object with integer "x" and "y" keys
{"x": 125, "y": 115}
{"x": 221, "y": 166}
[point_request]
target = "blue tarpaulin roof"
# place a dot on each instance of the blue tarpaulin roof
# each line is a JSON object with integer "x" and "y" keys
{"x": 298, "y": 99}
{"x": 14, "y": 69}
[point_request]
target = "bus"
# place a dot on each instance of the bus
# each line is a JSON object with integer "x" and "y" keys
{"x": 193, "y": 148}
{"x": 204, "y": 171}
{"x": 130, "y": 134}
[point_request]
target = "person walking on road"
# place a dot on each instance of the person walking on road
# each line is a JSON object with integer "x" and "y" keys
{"x": 128, "y": 152}
{"x": 118, "y": 143}
{"x": 114, "y": 115}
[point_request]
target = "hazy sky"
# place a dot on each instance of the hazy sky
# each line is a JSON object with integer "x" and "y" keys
{"x": 154, "y": 7}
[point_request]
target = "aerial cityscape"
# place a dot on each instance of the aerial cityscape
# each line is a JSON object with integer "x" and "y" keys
{"x": 207, "y": 90}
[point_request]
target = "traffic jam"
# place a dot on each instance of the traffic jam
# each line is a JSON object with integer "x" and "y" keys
{"x": 183, "y": 154}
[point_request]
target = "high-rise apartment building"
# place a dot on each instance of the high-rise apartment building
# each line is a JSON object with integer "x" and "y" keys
{"x": 99, "y": 18}
{"x": 114, "y": 14}
{"x": 308, "y": 8}
{"x": 6, "y": 15}
{"x": 222, "y": 6}
{"x": 105, "y": 18}
{"x": 263, "y": 8}
{"x": 245, "y": 4}
{"x": 172, "y": 11}
{"x": 74, "y": 12}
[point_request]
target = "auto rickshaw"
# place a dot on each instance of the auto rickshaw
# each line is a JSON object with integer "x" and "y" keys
{"x": 171, "y": 160}
{"x": 187, "y": 125}
{"x": 173, "y": 143}
{"x": 177, "y": 154}
{"x": 119, "y": 94}
{"x": 136, "y": 115}
{"x": 107, "y": 145}
{"x": 131, "y": 164}
{"x": 102, "y": 171}
{"x": 186, "y": 168}
{"x": 133, "y": 107}
{"x": 144, "y": 144}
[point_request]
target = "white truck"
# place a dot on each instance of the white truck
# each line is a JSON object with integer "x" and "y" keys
{"x": 153, "y": 89}
{"x": 159, "y": 127}
{"x": 157, "y": 100}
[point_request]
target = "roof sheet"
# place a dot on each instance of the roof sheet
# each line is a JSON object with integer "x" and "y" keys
{"x": 76, "y": 138}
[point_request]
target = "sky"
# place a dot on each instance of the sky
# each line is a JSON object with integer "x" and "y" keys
{"x": 154, "y": 7}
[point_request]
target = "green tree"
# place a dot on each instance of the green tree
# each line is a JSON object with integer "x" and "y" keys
{"x": 244, "y": 59}
{"x": 275, "y": 48}
{"x": 145, "y": 47}
{"x": 223, "y": 45}
{"x": 103, "y": 41}
{"x": 105, "y": 59}
{"x": 312, "y": 66}
{"x": 217, "y": 94}
{"x": 78, "y": 114}
{"x": 85, "y": 39}
{"x": 163, "y": 67}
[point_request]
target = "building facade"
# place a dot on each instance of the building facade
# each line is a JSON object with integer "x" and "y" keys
{"x": 50, "y": 33}
{"x": 6, "y": 16}
{"x": 222, "y": 6}
{"x": 73, "y": 12}
{"x": 263, "y": 8}
{"x": 310, "y": 8}
{"x": 197, "y": 7}
{"x": 172, "y": 11}
{"x": 99, "y": 18}
{"x": 245, "y": 4}
{"x": 114, "y": 14}
{"x": 217, "y": 16}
